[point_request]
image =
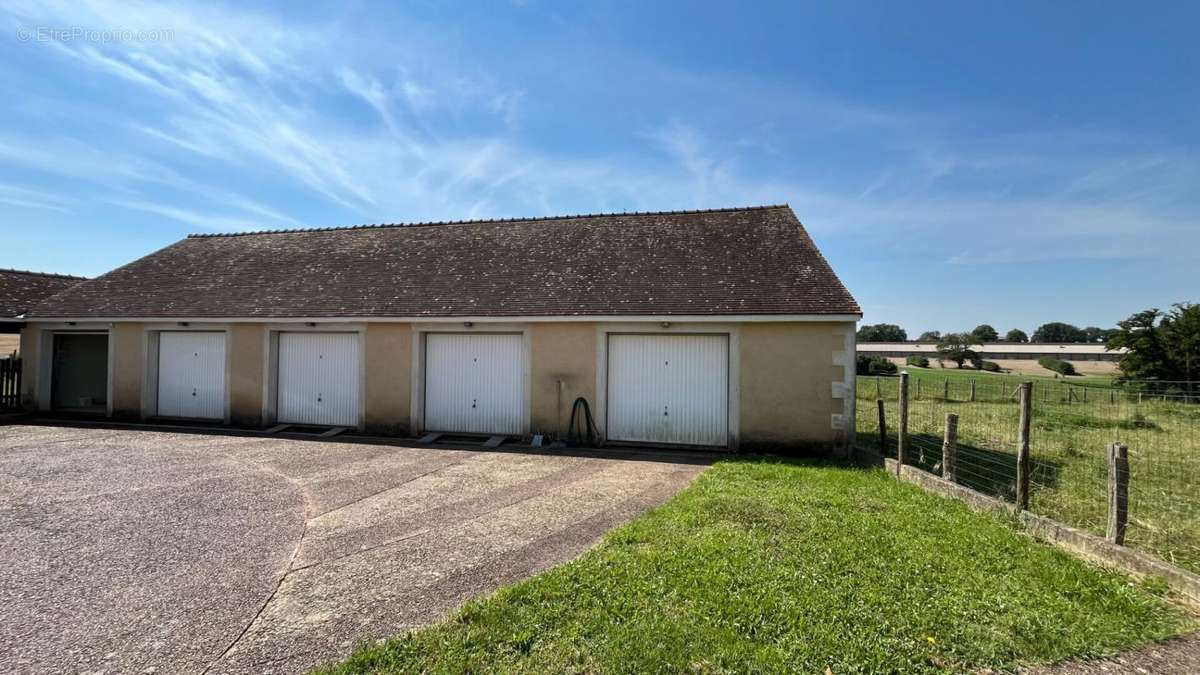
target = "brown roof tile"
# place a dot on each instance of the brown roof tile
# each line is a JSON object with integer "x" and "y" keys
{"x": 20, "y": 290}
{"x": 722, "y": 262}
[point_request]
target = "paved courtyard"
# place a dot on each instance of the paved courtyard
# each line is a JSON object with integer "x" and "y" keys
{"x": 150, "y": 551}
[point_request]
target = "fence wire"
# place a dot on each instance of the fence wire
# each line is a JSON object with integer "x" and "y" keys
{"x": 1072, "y": 427}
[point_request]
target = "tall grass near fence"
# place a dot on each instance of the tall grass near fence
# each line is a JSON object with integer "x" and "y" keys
{"x": 1070, "y": 434}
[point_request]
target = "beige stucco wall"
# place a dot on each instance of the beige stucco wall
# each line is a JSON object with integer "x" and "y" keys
{"x": 562, "y": 368}
{"x": 126, "y": 347}
{"x": 247, "y": 346}
{"x": 786, "y": 384}
{"x": 388, "y": 387}
{"x": 30, "y": 351}
{"x": 787, "y": 390}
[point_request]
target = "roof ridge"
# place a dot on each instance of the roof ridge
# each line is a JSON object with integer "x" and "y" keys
{"x": 11, "y": 270}
{"x": 481, "y": 221}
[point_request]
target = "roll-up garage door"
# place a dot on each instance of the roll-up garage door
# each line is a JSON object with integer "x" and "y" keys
{"x": 668, "y": 389}
{"x": 319, "y": 379}
{"x": 191, "y": 374}
{"x": 475, "y": 383}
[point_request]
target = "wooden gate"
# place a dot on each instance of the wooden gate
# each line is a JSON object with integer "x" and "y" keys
{"x": 10, "y": 383}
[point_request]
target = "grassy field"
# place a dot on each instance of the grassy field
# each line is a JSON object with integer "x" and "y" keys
{"x": 1069, "y": 442}
{"x": 788, "y": 566}
{"x": 933, "y": 377}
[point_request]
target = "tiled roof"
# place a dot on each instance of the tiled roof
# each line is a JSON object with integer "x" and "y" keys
{"x": 756, "y": 260}
{"x": 20, "y": 290}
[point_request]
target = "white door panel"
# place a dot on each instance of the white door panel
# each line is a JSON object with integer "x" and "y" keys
{"x": 668, "y": 389}
{"x": 319, "y": 379}
{"x": 191, "y": 374}
{"x": 475, "y": 383}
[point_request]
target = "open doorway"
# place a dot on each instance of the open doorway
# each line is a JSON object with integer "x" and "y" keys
{"x": 80, "y": 372}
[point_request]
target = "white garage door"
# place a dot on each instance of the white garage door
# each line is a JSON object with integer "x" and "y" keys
{"x": 668, "y": 389}
{"x": 319, "y": 379}
{"x": 191, "y": 374}
{"x": 475, "y": 383}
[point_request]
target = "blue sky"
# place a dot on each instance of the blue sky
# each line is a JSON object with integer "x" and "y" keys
{"x": 958, "y": 163}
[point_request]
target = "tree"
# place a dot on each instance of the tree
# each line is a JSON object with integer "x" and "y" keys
{"x": 1057, "y": 331}
{"x": 956, "y": 347}
{"x": 1162, "y": 346}
{"x": 1147, "y": 358}
{"x": 1094, "y": 334}
{"x": 882, "y": 332}
{"x": 1016, "y": 335}
{"x": 930, "y": 336}
{"x": 984, "y": 333}
{"x": 1182, "y": 329}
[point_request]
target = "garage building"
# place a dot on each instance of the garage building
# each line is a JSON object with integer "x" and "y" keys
{"x": 723, "y": 328}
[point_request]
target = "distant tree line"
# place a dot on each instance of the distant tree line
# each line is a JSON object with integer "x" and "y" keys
{"x": 1163, "y": 346}
{"x": 1055, "y": 331}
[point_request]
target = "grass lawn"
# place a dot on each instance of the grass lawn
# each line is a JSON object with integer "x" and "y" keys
{"x": 791, "y": 566}
{"x": 1069, "y": 444}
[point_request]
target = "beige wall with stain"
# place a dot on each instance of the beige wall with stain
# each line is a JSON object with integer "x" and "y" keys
{"x": 126, "y": 346}
{"x": 388, "y": 387}
{"x": 560, "y": 353}
{"x": 31, "y": 335}
{"x": 247, "y": 349}
{"x": 786, "y": 377}
{"x": 786, "y": 381}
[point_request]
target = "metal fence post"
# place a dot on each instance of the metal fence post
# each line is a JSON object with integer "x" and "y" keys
{"x": 946, "y": 389}
{"x": 1118, "y": 492}
{"x": 972, "y": 391}
{"x": 1026, "y": 390}
{"x": 902, "y": 442}
{"x": 950, "y": 447}
{"x": 918, "y": 389}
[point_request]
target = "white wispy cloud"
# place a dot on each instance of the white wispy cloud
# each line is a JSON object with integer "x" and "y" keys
{"x": 255, "y": 98}
{"x": 14, "y": 195}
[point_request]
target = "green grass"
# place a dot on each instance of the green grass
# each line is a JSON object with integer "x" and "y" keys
{"x": 788, "y": 566}
{"x": 1069, "y": 442}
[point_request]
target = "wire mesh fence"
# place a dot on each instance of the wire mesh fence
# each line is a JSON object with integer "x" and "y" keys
{"x": 1071, "y": 430}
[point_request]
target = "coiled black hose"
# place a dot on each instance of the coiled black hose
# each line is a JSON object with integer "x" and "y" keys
{"x": 586, "y": 436}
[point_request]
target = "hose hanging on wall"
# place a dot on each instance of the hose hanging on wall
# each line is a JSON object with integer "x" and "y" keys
{"x": 587, "y": 435}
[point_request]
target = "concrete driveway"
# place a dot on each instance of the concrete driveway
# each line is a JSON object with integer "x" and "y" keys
{"x": 135, "y": 551}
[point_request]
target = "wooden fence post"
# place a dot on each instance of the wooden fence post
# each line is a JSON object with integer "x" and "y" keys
{"x": 972, "y": 391}
{"x": 946, "y": 389}
{"x": 1085, "y": 394}
{"x": 1023, "y": 446}
{"x": 882, "y": 428}
{"x": 902, "y": 441}
{"x": 1118, "y": 492}
{"x": 950, "y": 448}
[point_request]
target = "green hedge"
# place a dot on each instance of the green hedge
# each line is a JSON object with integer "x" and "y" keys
{"x": 918, "y": 361}
{"x": 1057, "y": 365}
{"x": 874, "y": 365}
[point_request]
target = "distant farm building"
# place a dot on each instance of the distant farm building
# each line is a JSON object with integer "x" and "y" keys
{"x": 1030, "y": 351}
